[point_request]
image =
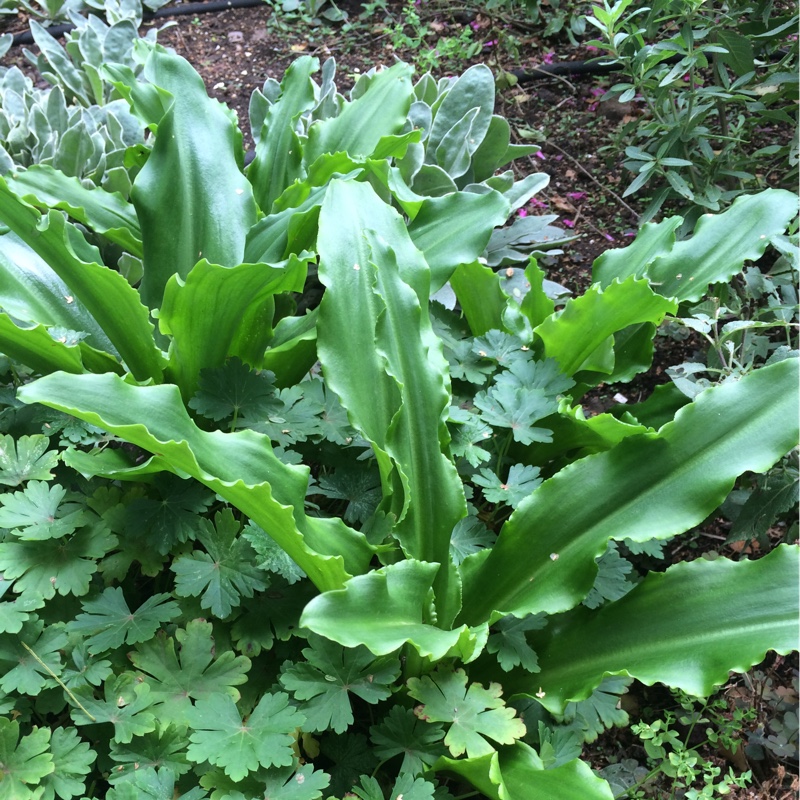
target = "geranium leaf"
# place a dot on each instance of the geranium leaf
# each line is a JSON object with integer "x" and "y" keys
{"x": 25, "y": 761}
{"x": 503, "y": 348}
{"x": 14, "y": 612}
{"x": 235, "y": 390}
{"x": 150, "y": 784}
{"x": 189, "y": 671}
{"x": 305, "y": 783}
{"x": 225, "y": 572}
{"x": 272, "y": 557}
{"x": 86, "y": 670}
{"x": 351, "y": 757}
{"x": 222, "y": 738}
{"x": 37, "y": 513}
{"x": 270, "y": 615}
{"x": 475, "y": 713}
{"x": 468, "y": 436}
{"x": 171, "y": 518}
{"x": 109, "y": 622}
{"x": 601, "y": 710}
{"x": 28, "y": 675}
{"x": 402, "y": 732}
{"x": 469, "y": 536}
{"x": 164, "y": 747}
{"x": 26, "y": 459}
{"x": 612, "y": 581}
{"x": 327, "y": 677}
{"x": 517, "y": 409}
{"x": 43, "y": 568}
{"x": 465, "y": 363}
{"x": 508, "y": 641}
{"x": 521, "y": 481}
{"x": 125, "y": 704}
{"x": 72, "y": 759}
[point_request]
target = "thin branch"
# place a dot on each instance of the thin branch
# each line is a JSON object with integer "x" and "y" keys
{"x": 58, "y": 681}
{"x": 591, "y": 177}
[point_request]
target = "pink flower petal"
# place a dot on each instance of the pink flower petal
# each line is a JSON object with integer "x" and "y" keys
{"x": 568, "y": 223}
{"x": 540, "y": 154}
{"x": 522, "y": 212}
{"x": 576, "y": 195}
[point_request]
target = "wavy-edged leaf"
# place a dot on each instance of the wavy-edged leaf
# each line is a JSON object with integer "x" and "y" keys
{"x": 455, "y": 229}
{"x": 385, "y": 609}
{"x": 31, "y": 291}
{"x": 687, "y": 627}
{"x": 279, "y": 152}
{"x": 573, "y": 431}
{"x": 653, "y": 239}
{"x": 717, "y": 250}
{"x": 396, "y": 390}
{"x": 241, "y": 467}
{"x": 577, "y": 336}
{"x": 517, "y": 773}
{"x": 191, "y": 197}
{"x": 107, "y": 213}
{"x": 480, "y": 296}
{"x": 219, "y": 312}
{"x": 104, "y": 293}
{"x": 648, "y": 486}
{"x": 115, "y": 464}
{"x": 37, "y": 349}
{"x": 361, "y": 124}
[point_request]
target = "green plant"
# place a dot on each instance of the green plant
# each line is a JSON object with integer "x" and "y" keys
{"x": 558, "y": 17}
{"x": 77, "y": 67}
{"x": 89, "y": 143}
{"x": 390, "y": 526}
{"x": 710, "y": 85}
{"x": 676, "y": 752}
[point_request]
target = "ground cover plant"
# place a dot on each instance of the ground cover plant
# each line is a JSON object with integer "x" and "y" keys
{"x": 328, "y": 536}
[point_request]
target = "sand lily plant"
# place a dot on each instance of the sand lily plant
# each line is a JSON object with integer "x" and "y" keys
{"x": 363, "y": 543}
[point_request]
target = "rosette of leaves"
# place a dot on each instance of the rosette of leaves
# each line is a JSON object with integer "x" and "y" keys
{"x": 466, "y": 601}
{"x": 77, "y": 66}
{"x": 40, "y": 127}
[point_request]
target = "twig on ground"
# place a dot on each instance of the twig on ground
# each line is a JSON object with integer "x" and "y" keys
{"x": 591, "y": 177}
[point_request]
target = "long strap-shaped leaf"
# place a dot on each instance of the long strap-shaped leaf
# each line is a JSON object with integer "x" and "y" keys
{"x": 715, "y": 253}
{"x": 31, "y": 291}
{"x": 191, "y": 197}
{"x": 240, "y": 467}
{"x": 104, "y": 293}
{"x": 387, "y": 608}
{"x": 687, "y": 627}
{"x": 379, "y": 112}
{"x": 575, "y": 337}
{"x": 380, "y": 355}
{"x": 516, "y": 772}
{"x": 221, "y": 312}
{"x": 648, "y": 486}
{"x": 104, "y": 212}
{"x": 279, "y": 152}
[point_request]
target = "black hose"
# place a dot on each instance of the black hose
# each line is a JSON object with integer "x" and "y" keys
{"x": 25, "y": 37}
{"x": 563, "y": 68}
